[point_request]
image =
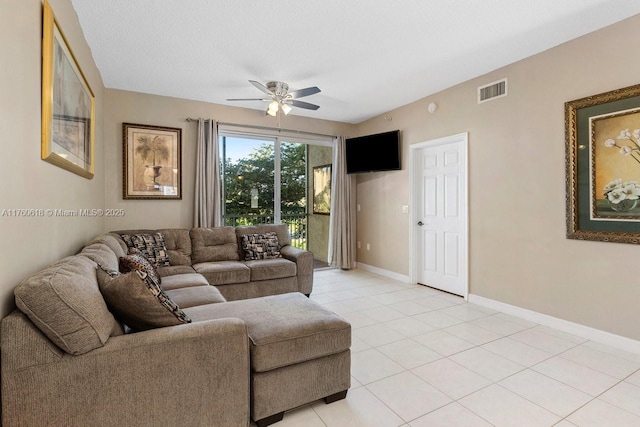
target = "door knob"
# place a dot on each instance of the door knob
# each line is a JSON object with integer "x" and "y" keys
{"x": 420, "y": 223}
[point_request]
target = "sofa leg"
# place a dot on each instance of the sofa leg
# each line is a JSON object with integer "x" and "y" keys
{"x": 307, "y": 295}
{"x": 335, "y": 397}
{"x": 270, "y": 420}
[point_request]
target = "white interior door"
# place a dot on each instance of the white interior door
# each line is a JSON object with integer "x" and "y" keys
{"x": 440, "y": 215}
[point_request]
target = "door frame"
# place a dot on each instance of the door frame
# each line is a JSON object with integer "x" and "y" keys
{"x": 414, "y": 176}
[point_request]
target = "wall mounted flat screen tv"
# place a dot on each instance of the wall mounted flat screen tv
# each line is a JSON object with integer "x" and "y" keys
{"x": 373, "y": 153}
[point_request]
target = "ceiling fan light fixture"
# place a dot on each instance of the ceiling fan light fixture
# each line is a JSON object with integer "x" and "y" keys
{"x": 279, "y": 97}
{"x": 273, "y": 109}
{"x": 285, "y": 109}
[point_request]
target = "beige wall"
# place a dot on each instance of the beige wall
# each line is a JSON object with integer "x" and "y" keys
{"x": 29, "y": 244}
{"x": 518, "y": 251}
{"x": 134, "y": 107}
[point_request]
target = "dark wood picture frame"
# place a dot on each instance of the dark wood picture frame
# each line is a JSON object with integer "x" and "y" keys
{"x": 152, "y": 162}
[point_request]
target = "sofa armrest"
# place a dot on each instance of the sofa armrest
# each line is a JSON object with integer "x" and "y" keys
{"x": 304, "y": 265}
{"x": 193, "y": 374}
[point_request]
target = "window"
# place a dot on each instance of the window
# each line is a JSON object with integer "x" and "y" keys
{"x": 266, "y": 179}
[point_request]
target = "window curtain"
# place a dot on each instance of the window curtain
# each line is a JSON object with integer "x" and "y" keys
{"x": 207, "y": 211}
{"x": 342, "y": 221}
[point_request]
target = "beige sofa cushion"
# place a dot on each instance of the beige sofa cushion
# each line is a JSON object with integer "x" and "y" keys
{"x": 102, "y": 255}
{"x": 65, "y": 303}
{"x": 195, "y": 295}
{"x": 178, "y": 281}
{"x": 214, "y": 244}
{"x": 224, "y": 272}
{"x": 113, "y": 241}
{"x": 178, "y": 243}
{"x": 267, "y": 269}
{"x": 284, "y": 329}
{"x": 173, "y": 270}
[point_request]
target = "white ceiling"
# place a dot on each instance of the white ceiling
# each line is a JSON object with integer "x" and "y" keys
{"x": 367, "y": 56}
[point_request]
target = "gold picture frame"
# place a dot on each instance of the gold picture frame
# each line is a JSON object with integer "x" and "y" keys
{"x": 68, "y": 103}
{"x": 152, "y": 162}
{"x": 603, "y": 166}
{"x": 322, "y": 190}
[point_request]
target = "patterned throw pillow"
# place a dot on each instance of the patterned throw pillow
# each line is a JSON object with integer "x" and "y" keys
{"x": 150, "y": 245}
{"x": 139, "y": 302}
{"x": 111, "y": 273}
{"x": 138, "y": 262}
{"x": 260, "y": 246}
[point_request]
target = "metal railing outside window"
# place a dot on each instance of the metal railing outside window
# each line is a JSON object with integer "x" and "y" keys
{"x": 297, "y": 225}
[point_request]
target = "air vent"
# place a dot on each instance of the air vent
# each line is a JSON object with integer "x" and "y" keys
{"x": 492, "y": 91}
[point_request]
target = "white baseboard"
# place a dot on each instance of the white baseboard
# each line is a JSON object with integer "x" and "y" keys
{"x": 386, "y": 273}
{"x": 583, "y": 331}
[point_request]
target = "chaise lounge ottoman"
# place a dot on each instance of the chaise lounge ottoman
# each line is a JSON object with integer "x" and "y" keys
{"x": 299, "y": 351}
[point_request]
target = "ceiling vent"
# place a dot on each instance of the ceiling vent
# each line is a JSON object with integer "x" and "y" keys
{"x": 492, "y": 91}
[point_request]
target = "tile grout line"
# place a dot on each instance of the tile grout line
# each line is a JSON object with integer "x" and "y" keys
{"x": 602, "y": 393}
{"x": 474, "y": 346}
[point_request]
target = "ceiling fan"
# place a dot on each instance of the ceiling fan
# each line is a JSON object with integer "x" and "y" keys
{"x": 279, "y": 97}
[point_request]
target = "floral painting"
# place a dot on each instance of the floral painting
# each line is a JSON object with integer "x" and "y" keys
{"x": 615, "y": 145}
{"x": 152, "y": 162}
{"x": 603, "y": 166}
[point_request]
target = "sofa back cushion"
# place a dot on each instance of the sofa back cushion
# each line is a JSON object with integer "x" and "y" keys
{"x": 65, "y": 303}
{"x": 281, "y": 230}
{"x": 176, "y": 240}
{"x": 178, "y": 243}
{"x": 214, "y": 244}
{"x": 101, "y": 254}
{"x": 113, "y": 241}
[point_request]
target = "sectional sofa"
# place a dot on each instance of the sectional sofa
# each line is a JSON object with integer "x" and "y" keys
{"x": 224, "y": 333}
{"x": 217, "y": 255}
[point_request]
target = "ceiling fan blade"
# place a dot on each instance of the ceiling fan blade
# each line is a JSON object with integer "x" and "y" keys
{"x": 261, "y": 87}
{"x": 304, "y": 92}
{"x": 302, "y": 104}
{"x": 247, "y": 99}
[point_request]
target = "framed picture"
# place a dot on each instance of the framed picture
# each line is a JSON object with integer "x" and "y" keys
{"x": 68, "y": 109}
{"x": 603, "y": 166}
{"x": 152, "y": 162}
{"x": 322, "y": 189}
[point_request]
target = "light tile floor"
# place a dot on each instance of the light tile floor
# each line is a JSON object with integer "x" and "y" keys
{"x": 424, "y": 358}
